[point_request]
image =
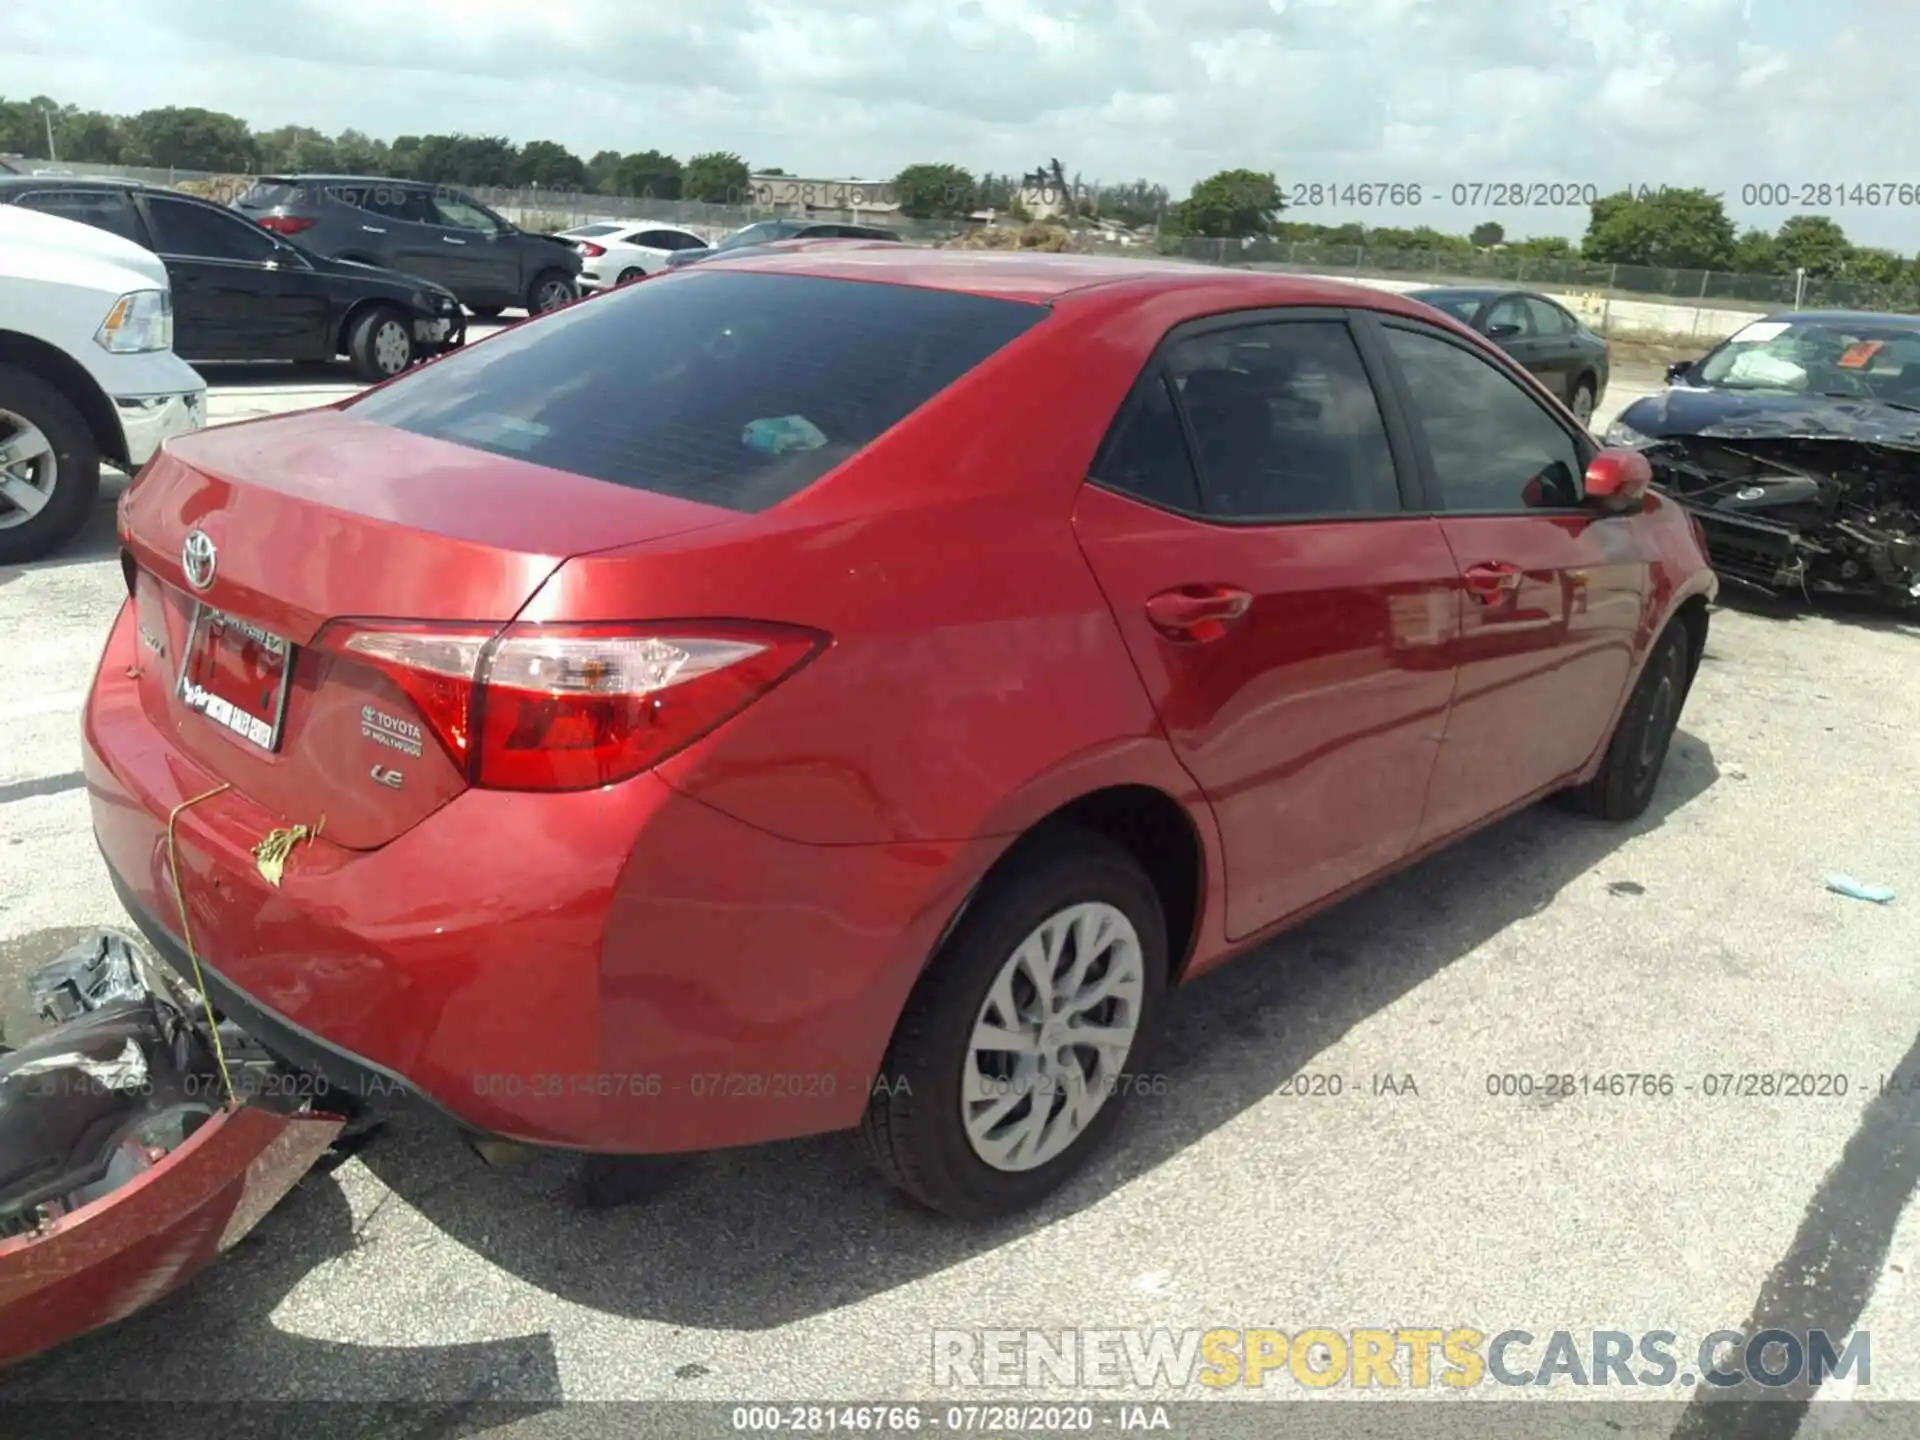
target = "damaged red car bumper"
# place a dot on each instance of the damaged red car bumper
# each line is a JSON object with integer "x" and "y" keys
{"x": 128, "y": 1159}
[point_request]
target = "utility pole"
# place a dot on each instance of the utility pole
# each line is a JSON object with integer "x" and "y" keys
{"x": 53, "y": 156}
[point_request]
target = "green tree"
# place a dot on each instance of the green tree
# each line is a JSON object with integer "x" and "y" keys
{"x": 1669, "y": 229}
{"x": 188, "y": 138}
{"x": 296, "y": 149}
{"x": 935, "y": 192}
{"x": 1137, "y": 205}
{"x": 1875, "y": 266}
{"x": 600, "y": 169}
{"x": 1815, "y": 243}
{"x": 1542, "y": 247}
{"x": 549, "y": 165}
{"x": 359, "y": 154}
{"x": 1230, "y": 205}
{"x": 719, "y": 177}
{"x": 1754, "y": 254}
{"x": 649, "y": 175}
{"x": 1487, "y": 234}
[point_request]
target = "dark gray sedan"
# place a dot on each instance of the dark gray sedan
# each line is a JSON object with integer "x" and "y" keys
{"x": 1544, "y": 337}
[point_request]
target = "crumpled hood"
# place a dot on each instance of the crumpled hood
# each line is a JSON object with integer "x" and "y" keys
{"x": 1758, "y": 414}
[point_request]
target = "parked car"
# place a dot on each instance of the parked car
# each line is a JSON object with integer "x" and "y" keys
{"x": 1075, "y": 623}
{"x": 766, "y": 231}
{"x": 1796, "y": 443}
{"x": 1545, "y": 337}
{"x": 621, "y": 252}
{"x": 87, "y": 373}
{"x": 241, "y": 292}
{"x": 440, "y": 234}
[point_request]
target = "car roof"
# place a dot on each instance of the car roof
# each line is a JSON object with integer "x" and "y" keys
{"x": 1886, "y": 319}
{"x": 1469, "y": 292}
{"x": 1040, "y": 277}
{"x": 320, "y": 179}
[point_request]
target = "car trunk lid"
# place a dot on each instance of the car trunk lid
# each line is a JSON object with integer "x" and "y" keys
{"x": 292, "y": 523}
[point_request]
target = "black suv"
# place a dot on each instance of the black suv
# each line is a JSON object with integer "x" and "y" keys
{"x": 243, "y": 293}
{"x": 431, "y": 231}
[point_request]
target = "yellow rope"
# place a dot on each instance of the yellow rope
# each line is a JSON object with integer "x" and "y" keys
{"x": 186, "y": 936}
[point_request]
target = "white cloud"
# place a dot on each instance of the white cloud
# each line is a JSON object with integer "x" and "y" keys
{"x": 1720, "y": 93}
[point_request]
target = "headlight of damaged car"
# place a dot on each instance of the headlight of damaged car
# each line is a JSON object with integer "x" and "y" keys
{"x": 1623, "y": 434}
{"x": 140, "y": 321}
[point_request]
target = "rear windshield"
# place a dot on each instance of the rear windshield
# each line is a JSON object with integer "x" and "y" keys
{"x": 737, "y": 390}
{"x": 265, "y": 194}
{"x": 589, "y": 231}
{"x": 1460, "y": 308}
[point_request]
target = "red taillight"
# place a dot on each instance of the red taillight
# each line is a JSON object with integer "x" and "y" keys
{"x": 572, "y": 707}
{"x": 285, "y": 224}
{"x": 590, "y": 250}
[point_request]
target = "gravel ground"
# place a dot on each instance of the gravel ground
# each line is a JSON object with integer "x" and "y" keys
{"x": 1700, "y": 940}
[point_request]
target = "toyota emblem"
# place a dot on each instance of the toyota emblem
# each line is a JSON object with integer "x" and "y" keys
{"x": 197, "y": 558}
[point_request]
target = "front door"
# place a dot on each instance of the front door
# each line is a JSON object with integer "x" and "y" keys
{"x": 237, "y": 293}
{"x": 1553, "y": 589}
{"x": 1292, "y": 622}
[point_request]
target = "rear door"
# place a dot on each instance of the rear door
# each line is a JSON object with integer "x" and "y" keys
{"x": 397, "y": 224}
{"x": 1553, "y": 588}
{"x": 1291, "y": 619}
{"x": 486, "y": 254}
{"x": 235, "y": 295}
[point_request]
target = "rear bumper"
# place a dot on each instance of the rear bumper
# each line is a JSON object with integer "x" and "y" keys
{"x": 624, "y": 970}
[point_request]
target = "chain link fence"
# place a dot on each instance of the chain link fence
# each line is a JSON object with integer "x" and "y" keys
{"x": 1615, "y": 299}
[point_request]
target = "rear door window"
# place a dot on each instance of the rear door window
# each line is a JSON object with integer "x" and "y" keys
{"x": 189, "y": 229}
{"x": 109, "y": 210}
{"x": 737, "y": 390}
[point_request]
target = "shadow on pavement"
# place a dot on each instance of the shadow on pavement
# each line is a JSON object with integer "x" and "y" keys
{"x": 756, "y": 1238}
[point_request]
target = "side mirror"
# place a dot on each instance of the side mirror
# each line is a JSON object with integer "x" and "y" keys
{"x": 1677, "y": 371}
{"x": 1502, "y": 332}
{"x": 1617, "y": 479}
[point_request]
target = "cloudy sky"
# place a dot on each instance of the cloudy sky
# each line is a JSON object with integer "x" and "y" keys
{"x": 1723, "y": 93}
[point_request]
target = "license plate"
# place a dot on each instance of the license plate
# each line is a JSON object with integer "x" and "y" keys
{"x": 236, "y": 674}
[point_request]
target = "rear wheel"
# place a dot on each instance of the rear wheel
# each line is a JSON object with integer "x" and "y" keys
{"x": 550, "y": 290}
{"x": 1009, "y": 1063}
{"x": 1582, "y": 403}
{"x": 380, "y": 344}
{"x": 630, "y": 274}
{"x": 49, "y": 467}
{"x": 1626, "y": 779}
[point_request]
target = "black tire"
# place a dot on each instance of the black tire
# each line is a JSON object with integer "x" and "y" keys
{"x": 913, "y": 1127}
{"x": 76, "y": 468}
{"x": 1583, "y": 390}
{"x": 380, "y": 343}
{"x": 629, "y": 275}
{"x": 487, "y": 312}
{"x": 1625, "y": 782}
{"x": 550, "y": 290}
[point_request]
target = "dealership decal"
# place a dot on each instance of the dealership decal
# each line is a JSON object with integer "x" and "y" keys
{"x": 391, "y": 731}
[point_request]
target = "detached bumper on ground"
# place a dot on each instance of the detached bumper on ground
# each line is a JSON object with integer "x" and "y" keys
{"x": 129, "y": 1157}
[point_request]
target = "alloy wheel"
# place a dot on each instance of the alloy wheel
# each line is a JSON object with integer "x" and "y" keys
{"x": 1050, "y": 1041}
{"x": 28, "y": 470}
{"x": 1583, "y": 406}
{"x": 550, "y": 296}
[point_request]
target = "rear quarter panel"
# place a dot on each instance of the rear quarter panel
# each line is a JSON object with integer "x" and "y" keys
{"x": 975, "y": 678}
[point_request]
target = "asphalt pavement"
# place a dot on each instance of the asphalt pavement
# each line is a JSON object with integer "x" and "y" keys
{"x": 1698, "y": 941}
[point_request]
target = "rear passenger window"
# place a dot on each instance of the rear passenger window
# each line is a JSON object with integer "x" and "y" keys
{"x": 108, "y": 210}
{"x": 1285, "y": 421}
{"x": 732, "y": 389}
{"x": 1146, "y": 454}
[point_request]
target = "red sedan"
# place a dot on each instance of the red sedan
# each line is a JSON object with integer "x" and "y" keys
{"x": 851, "y": 688}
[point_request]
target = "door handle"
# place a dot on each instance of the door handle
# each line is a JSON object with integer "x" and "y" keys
{"x": 452, "y": 241}
{"x": 1198, "y": 613}
{"x": 1490, "y": 582}
{"x": 374, "y": 229}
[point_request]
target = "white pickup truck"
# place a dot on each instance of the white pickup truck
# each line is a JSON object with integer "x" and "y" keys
{"x": 87, "y": 373}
